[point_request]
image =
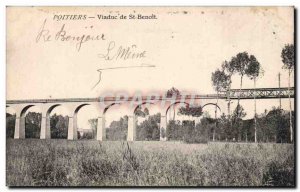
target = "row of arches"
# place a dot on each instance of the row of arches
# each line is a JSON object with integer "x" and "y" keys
{"x": 73, "y": 109}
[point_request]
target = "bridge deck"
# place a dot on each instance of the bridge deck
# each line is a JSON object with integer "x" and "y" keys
{"x": 261, "y": 93}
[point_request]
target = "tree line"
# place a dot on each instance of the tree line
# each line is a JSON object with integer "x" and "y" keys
{"x": 244, "y": 64}
{"x": 272, "y": 127}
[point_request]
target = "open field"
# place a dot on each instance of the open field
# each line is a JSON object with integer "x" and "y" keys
{"x": 53, "y": 162}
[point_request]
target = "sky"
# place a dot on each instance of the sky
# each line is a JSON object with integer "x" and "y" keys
{"x": 184, "y": 44}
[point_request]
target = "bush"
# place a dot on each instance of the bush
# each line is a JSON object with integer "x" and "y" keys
{"x": 88, "y": 135}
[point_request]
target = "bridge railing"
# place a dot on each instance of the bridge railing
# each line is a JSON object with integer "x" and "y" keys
{"x": 261, "y": 93}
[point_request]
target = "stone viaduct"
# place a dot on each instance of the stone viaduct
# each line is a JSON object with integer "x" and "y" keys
{"x": 103, "y": 104}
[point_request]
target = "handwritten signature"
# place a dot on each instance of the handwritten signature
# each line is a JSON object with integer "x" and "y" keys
{"x": 122, "y": 53}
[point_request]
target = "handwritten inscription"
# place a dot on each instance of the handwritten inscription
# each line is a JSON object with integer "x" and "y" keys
{"x": 122, "y": 53}
{"x": 62, "y": 35}
{"x": 112, "y": 51}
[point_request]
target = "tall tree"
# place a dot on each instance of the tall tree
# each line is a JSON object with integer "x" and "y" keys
{"x": 230, "y": 69}
{"x": 288, "y": 59}
{"x": 220, "y": 81}
{"x": 253, "y": 71}
{"x": 240, "y": 63}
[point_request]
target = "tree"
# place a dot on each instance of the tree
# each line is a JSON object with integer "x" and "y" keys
{"x": 59, "y": 126}
{"x": 173, "y": 91}
{"x": 204, "y": 129}
{"x": 188, "y": 128}
{"x": 93, "y": 123}
{"x": 149, "y": 128}
{"x": 277, "y": 121}
{"x": 288, "y": 59}
{"x": 62, "y": 127}
{"x": 240, "y": 63}
{"x": 224, "y": 128}
{"x": 174, "y": 130}
{"x": 140, "y": 113}
{"x": 188, "y": 125}
{"x": 220, "y": 82}
{"x": 253, "y": 70}
{"x": 194, "y": 111}
{"x": 247, "y": 130}
{"x": 10, "y": 125}
{"x": 118, "y": 129}
{"x": 53, "y": 122}
{"x": 33, "y": 125}
{"x": 237, "y": 116}
{"x": 270, "y": 124}
{"x": 230, "y": 69}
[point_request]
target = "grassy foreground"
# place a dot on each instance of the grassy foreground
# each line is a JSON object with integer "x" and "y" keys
{"x": 53, "y": 162}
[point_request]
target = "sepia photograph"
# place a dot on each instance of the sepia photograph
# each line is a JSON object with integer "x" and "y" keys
{"x": 150, "y": 96}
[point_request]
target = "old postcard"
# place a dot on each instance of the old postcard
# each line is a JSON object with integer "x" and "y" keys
{"x": 150, "y": 96}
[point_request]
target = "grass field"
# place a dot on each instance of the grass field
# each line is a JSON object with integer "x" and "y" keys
{"x": 53, "y": 162}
